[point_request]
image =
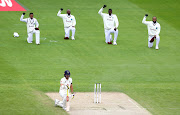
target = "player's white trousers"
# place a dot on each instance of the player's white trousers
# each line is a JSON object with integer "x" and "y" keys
{"x": 108, "y": 34}
{"x": 30, "y": 36}
{"x": 157, "y": 41}
{"x": 67, "y": 31}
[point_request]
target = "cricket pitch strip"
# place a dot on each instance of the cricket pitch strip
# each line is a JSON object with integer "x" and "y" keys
{"x": 113, "y": 103}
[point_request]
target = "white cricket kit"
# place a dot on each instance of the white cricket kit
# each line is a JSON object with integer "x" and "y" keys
{"x": 31, "y": 25}
{"x": 63, "y": 91}
{"x": 69, "y": 23}
{"x": 110, "y": 22}
{"x": 153, "y": 29}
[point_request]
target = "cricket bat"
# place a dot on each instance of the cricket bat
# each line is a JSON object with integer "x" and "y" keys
{"x": 67, "y": 103}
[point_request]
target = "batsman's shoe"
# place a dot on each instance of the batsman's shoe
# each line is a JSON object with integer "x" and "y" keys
{"x": 157, "y": 48}
{"x": 109, "y": 42}
{"x": 114, "y": 43}
{"x": 72, "y": 38}
{"x": 66, "y": 38}
{"x": 55, "y": 103}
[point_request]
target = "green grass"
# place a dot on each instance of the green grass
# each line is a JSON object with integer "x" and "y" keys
{"x": 148, "y": 76}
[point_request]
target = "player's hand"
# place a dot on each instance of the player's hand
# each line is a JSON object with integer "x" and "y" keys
{"x": 67, "y": 86}
{"x": 115, "y": 29}
{"x": 24, "y": 13}
{"x": 61, "y": 9}
{"x": 104, "y": 6}
{"x": 146, "y": 15}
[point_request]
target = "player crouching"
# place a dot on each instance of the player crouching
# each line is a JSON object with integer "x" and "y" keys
{"x": 69, "y": 23}
{"x": 153, "y": 31}
{"x": 32, "y": 28}
{"x": 66, "y": 85}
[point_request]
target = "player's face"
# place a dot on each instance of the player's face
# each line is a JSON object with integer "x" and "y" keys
{"x": 67, "y": 76}
{"x": 31, "y": 16}
{"x": 68, "y": 12}
{"x": 154, "y": 19}
{"x": 110, "y": 12}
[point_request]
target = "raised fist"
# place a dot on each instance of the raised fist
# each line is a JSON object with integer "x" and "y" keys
{"x": 61, "y": 9}
{"x": 104, "y": 6}
{"x": 24, "y": 13}
{"x": 146, "y": 15}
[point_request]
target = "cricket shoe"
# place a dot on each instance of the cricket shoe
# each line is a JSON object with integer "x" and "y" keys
{"x": 109, "y": 42}
{"x": 114, "y": 43}
{"x": 157, "y": 48}
{"x": 72, "y": 38}
{"x": 66, "y": 38}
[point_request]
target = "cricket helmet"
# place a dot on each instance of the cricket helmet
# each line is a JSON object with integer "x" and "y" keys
{"x": 67, "y": 72}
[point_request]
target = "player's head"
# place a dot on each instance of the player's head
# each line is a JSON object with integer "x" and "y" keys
{"x": 110, "y": 11}
{"x": 68, "y": 11}
{"x": 154, "y": 19}
{"x": 67, "y": 74}
{"x": 31, "y": 15}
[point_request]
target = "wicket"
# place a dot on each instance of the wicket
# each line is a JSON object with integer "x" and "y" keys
{"x": 97, "y": 93}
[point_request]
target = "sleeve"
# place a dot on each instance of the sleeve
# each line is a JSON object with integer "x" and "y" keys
{"x": 100, "y": 12}
{"x": 23, "y": 20}
{"x": 37, "y": 24}
{"x": 158, "y": 30}
{"x": 116, "y": 22}
{"x": 74, "y": 21}
{"x": 62, "y": 84}
{"x": 144, "y": 21}
{"x": 59, "y": 14}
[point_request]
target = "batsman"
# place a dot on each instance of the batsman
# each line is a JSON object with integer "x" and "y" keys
{"x": 65, "y": 87}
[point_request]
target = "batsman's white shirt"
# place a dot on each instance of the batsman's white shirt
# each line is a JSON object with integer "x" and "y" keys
{"x": 69, "y": 20}
{"x": 64, "y": 82}
{"x": 109, "y": 21}
{"x": 153, "y": 28}
{"x": 31, "y": 23}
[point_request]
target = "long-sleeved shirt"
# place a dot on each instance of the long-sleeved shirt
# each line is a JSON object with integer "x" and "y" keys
{"x": 63, "y": 85}
{"x": 69, "y": 20}
{"x": 110, "y": 21}
{"x": 153, "y": 28}
{"x": 31, "y": 23}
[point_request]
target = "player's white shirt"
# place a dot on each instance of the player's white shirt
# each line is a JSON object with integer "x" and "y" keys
{"x": 109, "y": 21}
{"x": 153, "y": 29}
{"x": 64, "y": 82}
{"x": 31, "y": 23}
{"x": 69, "y": 20}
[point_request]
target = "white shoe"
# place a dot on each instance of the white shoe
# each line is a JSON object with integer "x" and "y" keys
{"x": 73, "y": 38}
{"x": 114, "y": 43}
{"x": 157, "y": 48}
{"x": 55, "y": 103}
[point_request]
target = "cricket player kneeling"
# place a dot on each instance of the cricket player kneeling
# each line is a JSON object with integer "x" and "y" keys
{"x": 153, "y": 31}
{"x": 32, "y": 28}
{"x": 69, "y": 23}
{"x": 110, "y": 25}
{"x": 66, "y": 85}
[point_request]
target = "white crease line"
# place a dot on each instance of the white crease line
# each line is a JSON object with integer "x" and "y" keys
{"x": 134, "y": 103}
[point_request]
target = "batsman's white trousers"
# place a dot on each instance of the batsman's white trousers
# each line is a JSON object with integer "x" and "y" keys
{"x": 157, "y": 41}
{"x": 30, "y": 36}
{"x": 67, "y": 31}
{"x": 108, "y": 34}
{"x": 64, "y": 100}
